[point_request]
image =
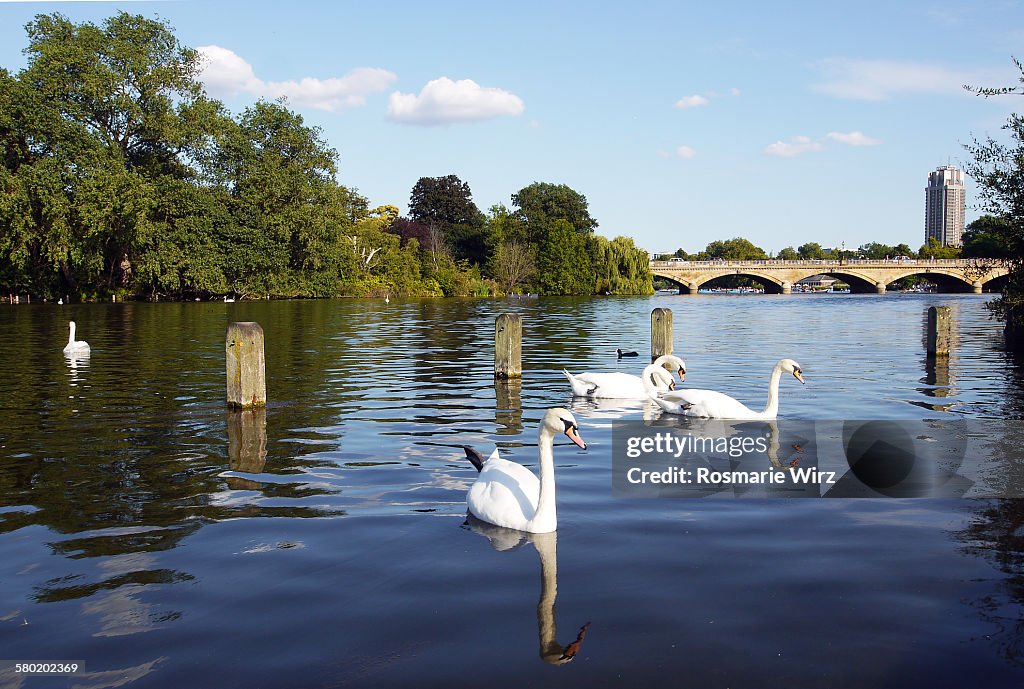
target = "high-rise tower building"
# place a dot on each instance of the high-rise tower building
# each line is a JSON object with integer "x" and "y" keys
{"x": 945, "y": 206}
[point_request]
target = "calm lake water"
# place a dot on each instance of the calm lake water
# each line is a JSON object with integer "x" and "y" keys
{"x": 164, "y": 542}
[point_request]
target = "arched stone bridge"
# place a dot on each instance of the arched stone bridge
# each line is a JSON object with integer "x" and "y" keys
{"x": 863, "y": 275}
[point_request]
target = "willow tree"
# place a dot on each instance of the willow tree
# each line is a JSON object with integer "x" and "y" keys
{"x": 620, "y": 267}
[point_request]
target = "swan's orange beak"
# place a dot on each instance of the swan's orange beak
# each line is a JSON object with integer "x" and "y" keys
{"x": 573, "y": 434}
{"x": 799, "y": 376}
{"x": 682, "y": 374}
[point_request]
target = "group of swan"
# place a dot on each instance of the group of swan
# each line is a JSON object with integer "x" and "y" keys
{"x": 510, "y": 495}
{"x": 617, "y": 385}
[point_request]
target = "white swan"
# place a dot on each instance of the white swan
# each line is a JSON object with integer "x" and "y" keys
{"x": 715, "y": 405}
{"x": 510, "y": 495}
{"x": 75, "y": 346}
{"x": 624, "y": 385}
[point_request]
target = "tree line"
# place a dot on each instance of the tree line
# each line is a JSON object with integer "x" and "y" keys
{"x": 985, "y": 238}
{"x": 121, "y": 176}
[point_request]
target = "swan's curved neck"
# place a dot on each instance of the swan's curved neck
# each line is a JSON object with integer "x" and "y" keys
{"x": 546, "y": 502}
{"x": 71, "y": 332}
{"x": 650, "y": 378}
{"x": 772, "y": 409}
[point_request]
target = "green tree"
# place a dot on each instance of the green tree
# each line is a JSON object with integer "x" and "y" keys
{"x": 811, "y": 251}
{"x": 876, "y": 251}
{"x": 934, "y": 249}
{"x": 540, "y": 204}
{"x": 446, "y": 203}
{"x": 129, "y": 83}
{"x": 563, "y": 262}
{"x": 620, "y": 267}
{"x": 988, "y": 237}
{"x": 735, "y": 249}
{"x": 788, "y": 254}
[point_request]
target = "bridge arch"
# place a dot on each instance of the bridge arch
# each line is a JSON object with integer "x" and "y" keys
{"x": 863, "y": 275}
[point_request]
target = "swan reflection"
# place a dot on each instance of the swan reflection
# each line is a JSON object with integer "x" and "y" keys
{"x": 78, "y": 364}
{"x": 551, "y": 651}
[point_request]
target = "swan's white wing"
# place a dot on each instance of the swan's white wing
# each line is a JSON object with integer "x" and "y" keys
{"x": 580, "y": 387}
{"x": 706, "y": 403}
{"x": 505, "y": 493}
{"x": 612, "y": 385}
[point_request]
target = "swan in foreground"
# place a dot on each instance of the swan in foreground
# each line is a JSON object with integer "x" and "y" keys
{"x": 715, "y": 405}
{"x": 624, "y": 385}
{"x": 75, "y": 346}
{"x": 510, "y": 495}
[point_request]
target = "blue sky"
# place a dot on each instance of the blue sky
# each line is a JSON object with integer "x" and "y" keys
{"x": 681, "y": 122}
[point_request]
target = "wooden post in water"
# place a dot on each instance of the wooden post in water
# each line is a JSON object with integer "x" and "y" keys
{"x": 246, "y": 366}
{"x": 508, "y": 347}
{"x": 661, "y": 332}
{"x": 939, "y": 334}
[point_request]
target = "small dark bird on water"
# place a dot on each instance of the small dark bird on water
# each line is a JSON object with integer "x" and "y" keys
{"x": 622, "y": 353}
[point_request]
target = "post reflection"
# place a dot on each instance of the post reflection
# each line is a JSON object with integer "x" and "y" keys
{"x": 247, "y": 445}
{"x": 546, "y": 545}
{"x": 509, "y": 410}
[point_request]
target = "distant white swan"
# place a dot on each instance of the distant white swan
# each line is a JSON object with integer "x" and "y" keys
{"x": 510, "y": 495}
{"x": 75, "y": 346}
{"x": 625, "y": 385}
{"x": 227, "y": 299}
{"x": 387, "y": 299}
{"x": 715, "y": 405}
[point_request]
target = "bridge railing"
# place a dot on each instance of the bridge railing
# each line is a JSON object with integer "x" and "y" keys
{"x": 778, "y": 263}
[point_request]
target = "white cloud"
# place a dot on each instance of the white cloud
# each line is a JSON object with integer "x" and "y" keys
{"x": 226, "y": 74}
{"x": 443, "y": 101}
{"x": 799, "y": 145}
{"x": 881, "y": 79}
{"x": 796, "y": 146}
{"x": 734, "y": 91}
{"x": 685, "y": 152}
{"x": 853, "y": 139}
{"x": 693, "y": 101}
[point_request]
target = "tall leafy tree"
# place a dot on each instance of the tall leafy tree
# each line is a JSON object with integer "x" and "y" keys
{"x": 129, "y": 82}
{"x": 987, "y": 237}
{"x": 540, "y": 204}
{"x": 563, "y": 262}
{"x": 446, "y": 203}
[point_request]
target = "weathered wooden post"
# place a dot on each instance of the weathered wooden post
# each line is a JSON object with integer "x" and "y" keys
{"x": 246, "y": 366}
{"x": 661, "y": 332}
{"x": 508, "y": 348}
{"x": 939, "y": 335}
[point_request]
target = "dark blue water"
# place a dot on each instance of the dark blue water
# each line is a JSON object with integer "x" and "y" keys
{"x": 164, "y": 541}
